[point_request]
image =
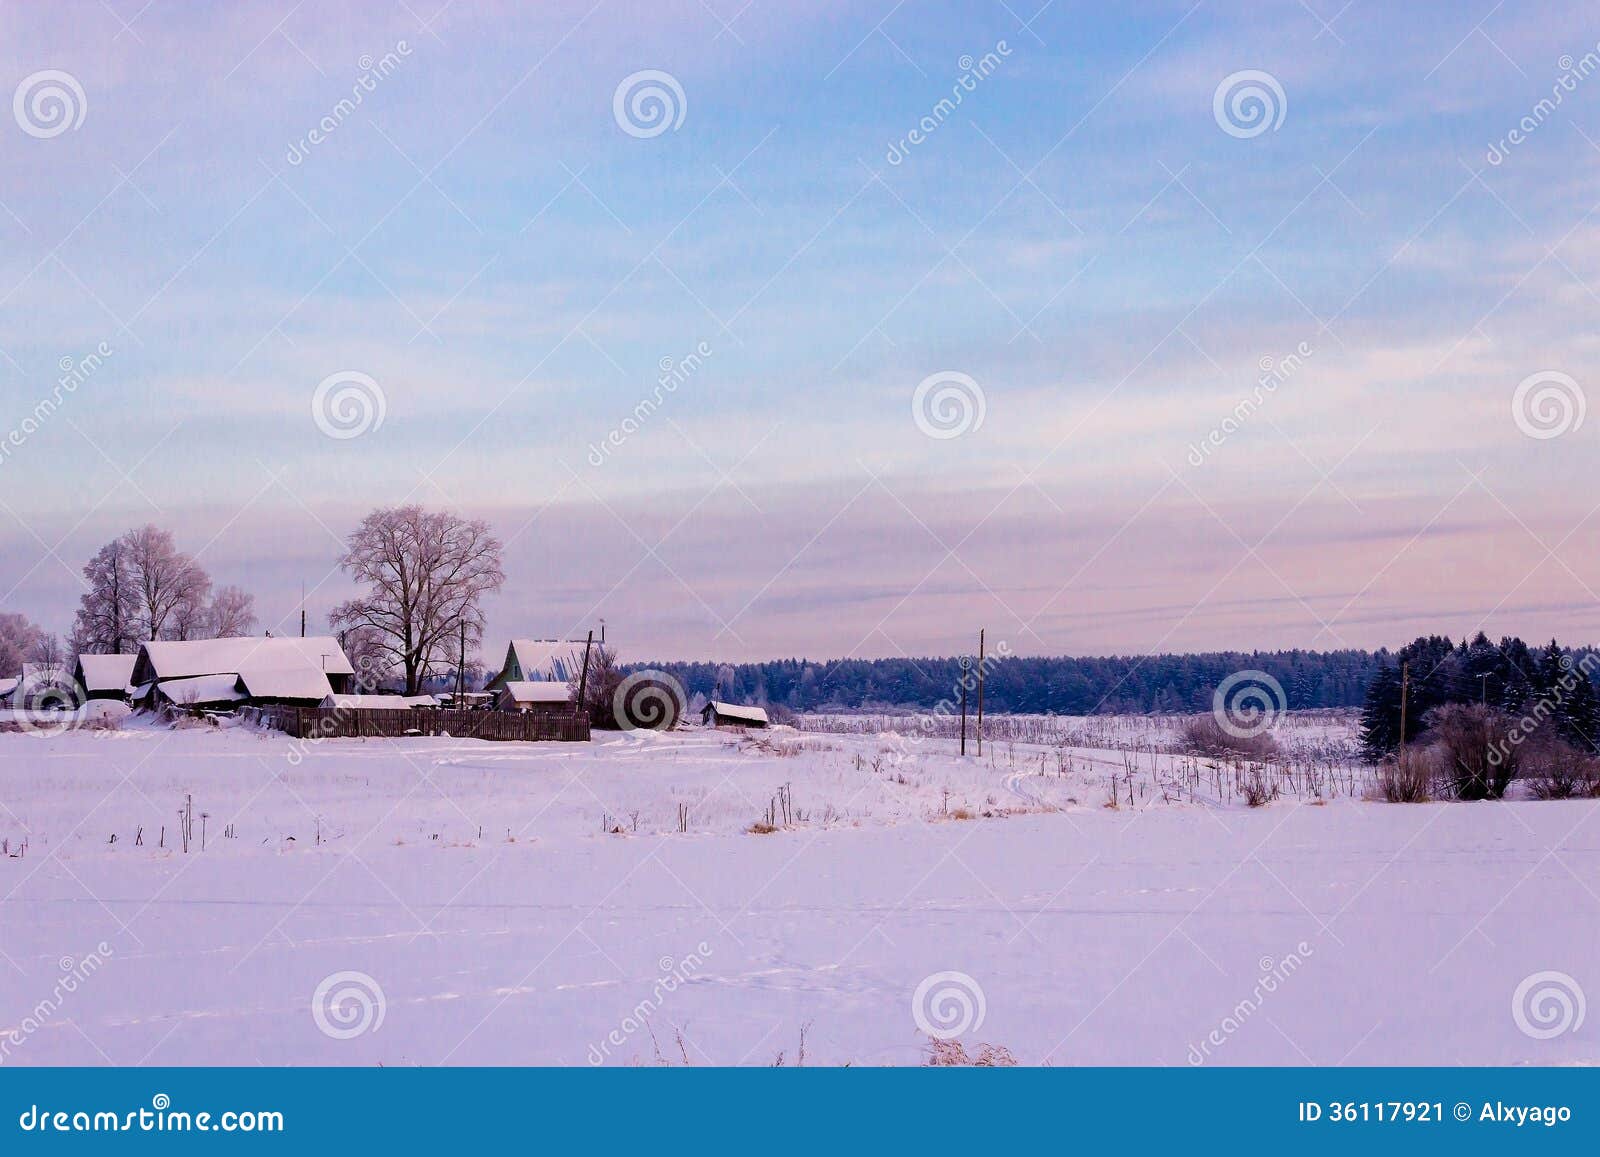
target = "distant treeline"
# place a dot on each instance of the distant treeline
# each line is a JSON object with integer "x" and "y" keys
{"x": 1550, "y": 685}
{"x": 1063, "y": 686}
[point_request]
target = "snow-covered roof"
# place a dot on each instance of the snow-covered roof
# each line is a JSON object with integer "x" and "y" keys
{"x": 105, "y": 672}
{"x": 537, "y": 660}
{"x": 379, "y": 702}
{"x": 173, "y": 659}
{"x": 203, "y": 689}
{"x": 538, "y": 691}
{"x": 7, "y": 686}
{"x": 287, "y": 683}
{"x": 738, "y": 711}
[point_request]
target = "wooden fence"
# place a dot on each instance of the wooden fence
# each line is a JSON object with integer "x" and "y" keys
{"x": 358, "y": 723}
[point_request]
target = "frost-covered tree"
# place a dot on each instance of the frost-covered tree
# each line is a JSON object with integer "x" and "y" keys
{"x": 426, "y": 573}
{"x": 19, "y": 643}
{"x": 232, "y": 613}
{"x": 108, "y": 612}
{"x": 141, "y": 586}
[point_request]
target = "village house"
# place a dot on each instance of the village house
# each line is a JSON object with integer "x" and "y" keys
{"x": 104, "y": 676}
{"x": 716, "y": 714}
{"x": 541, "y": 661}
{"x": 539, "y": 675}
{"x": 222, "y": 673}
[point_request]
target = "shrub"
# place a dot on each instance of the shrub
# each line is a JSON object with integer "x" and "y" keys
{"x": 1256, "y": 790}
{"x": 1408, "y": 777}
{"x": 1479, "y": 749}
{"x": 1555, "y": 770}
{"x": 1203, "y": 735}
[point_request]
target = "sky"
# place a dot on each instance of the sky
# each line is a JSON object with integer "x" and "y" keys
{"x": 777, "y": 329}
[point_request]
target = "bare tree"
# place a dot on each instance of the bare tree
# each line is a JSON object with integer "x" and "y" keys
{"x": 600, "y": 687}
{"x": 48, "y": 655}
{"x": 108, "y": 612}
{"x": 19, "y": 640}
{"x": 232, "y": 613}
{"x": 427, "y": 572}
{"x": 368, "y": 655}
{"x": 170, "y": 584}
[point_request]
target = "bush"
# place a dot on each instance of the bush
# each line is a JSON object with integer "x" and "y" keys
{"x": 1408, "y": 778}
{"x": 1555, "y": 770}
{"x": 1479, "y": 750}
{"x": 1203, "y": 735}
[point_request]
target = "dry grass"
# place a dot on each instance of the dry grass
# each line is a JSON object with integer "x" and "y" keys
{"x": 1203, "y": 735}
{"x": 950, "y": 1054}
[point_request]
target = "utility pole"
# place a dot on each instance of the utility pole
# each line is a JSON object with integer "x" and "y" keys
{"x": 583, "y": 679}
{"x": 461, "y": 667}
{"x": 1405, "y": 686}
{"x": 980, "y": 692}
{"x": 966, "y": 665}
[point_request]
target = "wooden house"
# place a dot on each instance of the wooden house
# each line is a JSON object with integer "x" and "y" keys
{"x": 717, "y": 714}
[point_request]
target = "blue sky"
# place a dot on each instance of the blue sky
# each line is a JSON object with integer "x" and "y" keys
{"x": 1082, "y": 238}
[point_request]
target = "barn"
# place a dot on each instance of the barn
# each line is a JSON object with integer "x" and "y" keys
{"x": 716, "y": 714}
{"x": 218, "y": 673}
{"x": 104, "y": 676}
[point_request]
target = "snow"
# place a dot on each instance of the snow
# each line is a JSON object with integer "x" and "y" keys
{"x": 379, "y": 702}
{"x": 165, "y": 659}
{"x": 558, "y": 660}
{"x": 203, "y": 689}
{"x": 8, "y": 685}
{"x": 105, "y": 672}
{"x": 537, "y": 904}
{"x": 538, "y": 691}
{"x": 289, "y": 683}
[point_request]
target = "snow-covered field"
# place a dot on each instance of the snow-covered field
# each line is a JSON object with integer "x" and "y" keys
{"x": 433, "y": 901}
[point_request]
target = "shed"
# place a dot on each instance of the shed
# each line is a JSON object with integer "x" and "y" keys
{"x": 378, "y": 702}
{"x": 285, "y": 687}
{"x": 716, "y": 714}
{"x": 538, "y": 695}
{"x": 104, "y": 676}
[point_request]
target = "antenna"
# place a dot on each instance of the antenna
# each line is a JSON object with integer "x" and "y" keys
{"x": 302, "y": 608}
